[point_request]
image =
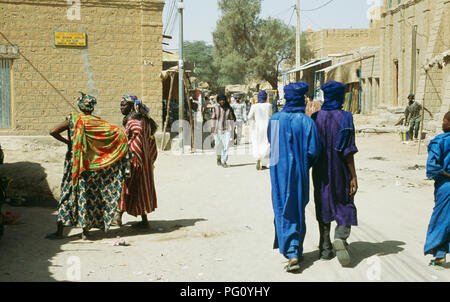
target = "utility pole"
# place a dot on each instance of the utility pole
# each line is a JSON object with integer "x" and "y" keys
{"x": 298, "y": 40}
{"x": 180, "y": 80}
{"x": 413, "y": 60}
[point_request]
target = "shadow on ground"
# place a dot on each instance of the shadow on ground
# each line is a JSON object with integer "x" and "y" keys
{"x": 358, "y": 252}
{"x": 24, "y": 253}
{"x": 364, "y": 250}
{"x": 242, "y": 165}
{"x": 156, "y": 227}
{"x": 29, "y": 181}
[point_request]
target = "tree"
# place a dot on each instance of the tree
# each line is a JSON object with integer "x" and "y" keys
{"x": 201, "y": 54}
{"x": 246, "y": 45}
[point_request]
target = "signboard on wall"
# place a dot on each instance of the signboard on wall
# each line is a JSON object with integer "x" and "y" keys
{"x": 70, "y": 39}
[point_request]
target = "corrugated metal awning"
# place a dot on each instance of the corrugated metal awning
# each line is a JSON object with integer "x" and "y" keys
{"x": 308, "y": 65}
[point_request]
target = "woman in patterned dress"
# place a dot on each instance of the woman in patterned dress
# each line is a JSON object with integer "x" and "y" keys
{"x": 139, "y": 193}
{"x": 94, "y": 170}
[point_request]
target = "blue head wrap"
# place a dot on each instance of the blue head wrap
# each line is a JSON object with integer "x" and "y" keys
{"x": 222, "y": 97}
{"x": 334, "y": 95}
{"x": 295, "y": 97}
{"x": 262, "y": 97}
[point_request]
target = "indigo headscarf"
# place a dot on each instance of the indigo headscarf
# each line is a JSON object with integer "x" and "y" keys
{"x": 334, "y": 95}
{"x": 262, "y": 97}
{"x": 86, "y": 102}
{"x": 295, "y": 97}
{"x": 222, "y": 97}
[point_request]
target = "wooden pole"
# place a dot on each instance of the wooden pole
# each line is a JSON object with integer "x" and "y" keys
{"x": 190, "y": 114}
{"x": 423, "y": 111}
{"x": 163, "y": 146}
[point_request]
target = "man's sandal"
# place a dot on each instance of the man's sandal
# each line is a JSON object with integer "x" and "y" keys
{"x": 437, "y": 264}
{"x": 293, "y": 265}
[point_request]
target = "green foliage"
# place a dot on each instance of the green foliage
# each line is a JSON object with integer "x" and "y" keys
{"x": 246, "y": 45}
{"x": 201, "y": 54}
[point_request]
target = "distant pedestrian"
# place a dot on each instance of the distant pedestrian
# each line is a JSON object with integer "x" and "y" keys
{"x": 139, "y": 193}
{"x": 223, "y": 124}
{"x": 438, "y": 168}
{"x": 274, "y": 105}
{"x": 334, "y": 175}
{"x": 240, "y": 111}
{"x": 95, "y": 168}
{"x": 294, "y": 148}
{"x": 260, "y": 113}
{"x": 413, "y": 117}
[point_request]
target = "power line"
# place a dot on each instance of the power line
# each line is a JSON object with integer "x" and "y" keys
{"x": 290, "y": 20}
{"x": 317, "y": 8}
{"x": 284, "y": 11}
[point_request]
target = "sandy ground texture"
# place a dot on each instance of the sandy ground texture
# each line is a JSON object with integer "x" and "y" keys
{"x": 216, "y": 224}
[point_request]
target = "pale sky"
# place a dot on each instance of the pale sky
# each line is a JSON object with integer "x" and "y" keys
{"x": 200, "y": 16}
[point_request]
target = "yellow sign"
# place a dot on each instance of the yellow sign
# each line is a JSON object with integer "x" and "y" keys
{"x": 70, "y": 39}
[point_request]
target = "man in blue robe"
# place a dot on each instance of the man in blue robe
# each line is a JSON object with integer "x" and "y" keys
{"x": 334, "y": 176}
{"x": 294, "y": 149}
{"x": 438, "y": 168}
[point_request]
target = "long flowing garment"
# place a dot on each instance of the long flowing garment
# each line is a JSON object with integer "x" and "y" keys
{"x": 294, "y": 148}
{"x": 94, "y": 172}
{"x": 139, "y": 193}
{"x": 261, "y": 113}
{"x": 331, "y": 176}
{"x": 438, "y": 235}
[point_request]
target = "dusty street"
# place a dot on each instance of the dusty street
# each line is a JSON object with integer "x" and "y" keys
{"x": 216, "y": 224}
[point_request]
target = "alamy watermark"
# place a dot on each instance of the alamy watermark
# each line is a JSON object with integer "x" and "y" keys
{"x": 203, "y": 139}
{"x": 374, "y": 271}
{"x": 73, "y": 272}
{"x": 374, "y": 12}
{"x": 74, "y": 11}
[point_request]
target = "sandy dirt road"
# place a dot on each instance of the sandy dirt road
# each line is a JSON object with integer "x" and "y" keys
{"x": 216, "y": 224}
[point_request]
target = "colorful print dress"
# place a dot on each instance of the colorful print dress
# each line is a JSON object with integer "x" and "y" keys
{"x": 95, "y": 169}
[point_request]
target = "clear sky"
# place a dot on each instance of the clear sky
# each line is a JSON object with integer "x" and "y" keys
{"x": 200, "y": 16}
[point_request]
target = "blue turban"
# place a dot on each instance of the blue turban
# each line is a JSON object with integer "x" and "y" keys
{"x": 221, "y": 97}
{"x": 262, "y": 97}
{"x": 334, "y": 95}
{"x": 295, "y": 97}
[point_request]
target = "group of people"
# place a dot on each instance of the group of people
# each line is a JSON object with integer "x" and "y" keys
{"x": 107, "y": 170}
{"x": 326, "y": 143}
{"x": 228, "y": 121}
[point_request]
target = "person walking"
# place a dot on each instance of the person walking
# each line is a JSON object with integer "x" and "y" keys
{"x": 240, "y": 111}
{"x": 95, "y": 169}
{"x": 223, "y": 124}
{"x": 260, "y": 114}
{"x": 334, "y": 175}
{"x": 294, "y": 149}
{"x": 438, "y": 168}
{"x": 139, "y": 194}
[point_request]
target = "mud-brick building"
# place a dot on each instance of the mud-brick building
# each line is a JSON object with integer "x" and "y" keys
{"x": 327, "y": 42}
{"x": 416, "y": 34}
{"x": 52, "y": 49}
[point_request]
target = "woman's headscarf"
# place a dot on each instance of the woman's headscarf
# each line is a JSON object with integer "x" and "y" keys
{"x": 86, "y": 102}
{"x": 294, "y": 94}
{"x": 140, "y": 109}
{"x": 138, "y": 106}
{"x": 262, "y": 97}
{"x": 334, "y": 95}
